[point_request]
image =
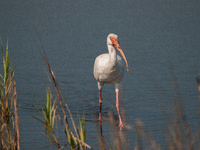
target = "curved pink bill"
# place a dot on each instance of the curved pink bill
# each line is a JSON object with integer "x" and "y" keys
{"x": 116, "y": 44}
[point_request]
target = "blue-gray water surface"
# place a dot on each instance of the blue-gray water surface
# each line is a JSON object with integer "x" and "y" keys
{"x": 159, "y": 38}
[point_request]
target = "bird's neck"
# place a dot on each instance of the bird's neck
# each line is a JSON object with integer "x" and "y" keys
{"x": 112, "y": 54}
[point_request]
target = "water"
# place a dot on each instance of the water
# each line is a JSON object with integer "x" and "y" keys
{"x": 155, "y": 36}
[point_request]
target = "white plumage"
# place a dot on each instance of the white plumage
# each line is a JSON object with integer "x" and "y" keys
{"x": 108, "y": 68}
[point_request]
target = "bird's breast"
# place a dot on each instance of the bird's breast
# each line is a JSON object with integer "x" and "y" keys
{"x": 106, "y": 71}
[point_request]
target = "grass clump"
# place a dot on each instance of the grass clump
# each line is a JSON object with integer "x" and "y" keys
{"x": 9, "y": 121}
{"x": 74, "y": 141}
{"x": 48, "y": 112}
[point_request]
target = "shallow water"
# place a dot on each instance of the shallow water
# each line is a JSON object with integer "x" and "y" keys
{"x": 155, "y": 37}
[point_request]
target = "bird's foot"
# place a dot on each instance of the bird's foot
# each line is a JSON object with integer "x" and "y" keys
{"x": 121, "y": 126}
{"x": 100, "y": 119}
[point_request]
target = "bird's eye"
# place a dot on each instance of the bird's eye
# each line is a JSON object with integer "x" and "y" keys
{"x": 112, "y": 39}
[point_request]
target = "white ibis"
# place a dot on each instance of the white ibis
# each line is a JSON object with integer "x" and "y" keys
{"x": 108, "y": 69}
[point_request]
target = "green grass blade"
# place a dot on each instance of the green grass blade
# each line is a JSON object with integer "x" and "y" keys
{"x": 6, "y": 62}
{"x": 37, "y": 108}
{"x": 38, "y": 119}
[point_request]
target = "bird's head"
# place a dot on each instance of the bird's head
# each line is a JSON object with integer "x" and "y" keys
{"x": 112, "y": 39}
{"x": 111, "y": 35}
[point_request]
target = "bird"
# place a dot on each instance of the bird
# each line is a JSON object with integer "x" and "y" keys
{"x": 108, "y": 68}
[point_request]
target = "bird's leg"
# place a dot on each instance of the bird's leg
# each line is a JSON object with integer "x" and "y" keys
{"x": 117, "y": 105}
{"x": 100, "y": 103}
